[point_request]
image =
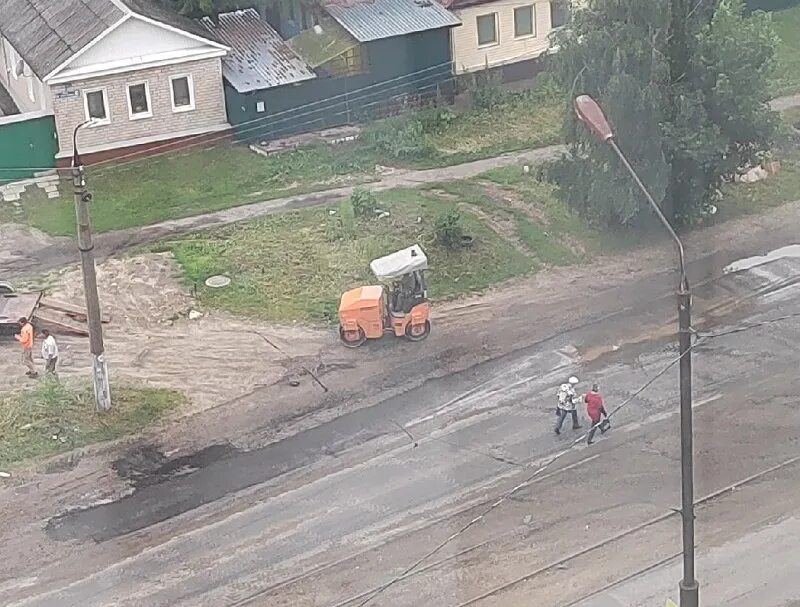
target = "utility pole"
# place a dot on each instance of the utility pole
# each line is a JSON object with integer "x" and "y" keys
{"x": 102, "y": 390}
{"x": 591, "y": 114}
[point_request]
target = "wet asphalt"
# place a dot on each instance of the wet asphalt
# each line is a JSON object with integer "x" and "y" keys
{"x": 472, "y": 428}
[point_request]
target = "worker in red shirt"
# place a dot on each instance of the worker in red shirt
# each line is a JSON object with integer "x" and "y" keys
{"x": 595, "y": 410}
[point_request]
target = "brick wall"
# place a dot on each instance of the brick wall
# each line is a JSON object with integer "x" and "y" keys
{"x": 164, "y": 123}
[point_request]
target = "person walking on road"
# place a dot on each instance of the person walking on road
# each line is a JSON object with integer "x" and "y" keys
{"x": 567, "y": 405}
{"x": 595, "y": 410}
{"x": 49, "y": 353}
{"x": 25, "y": 339}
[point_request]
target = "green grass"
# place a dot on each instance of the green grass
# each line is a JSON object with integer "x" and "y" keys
{"x": 52, "y": 418}
{"x": 520, "y": 123}
{"x": 749, "y": 198}
{"x": 786, "y": 78}
{"x": 186, "y": 183}
{"x": 295, "y": 266}
{"x": 190, "y": 183}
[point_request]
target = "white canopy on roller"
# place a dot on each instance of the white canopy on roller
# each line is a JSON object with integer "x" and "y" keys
{"x": 398, "y": 264}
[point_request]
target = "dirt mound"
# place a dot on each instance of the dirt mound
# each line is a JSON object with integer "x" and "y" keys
{"x": 151, "y": 339}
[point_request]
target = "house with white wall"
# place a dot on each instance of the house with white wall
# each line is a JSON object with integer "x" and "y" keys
{"x": 497, "y": 33}
{"x": 142, "y": 74}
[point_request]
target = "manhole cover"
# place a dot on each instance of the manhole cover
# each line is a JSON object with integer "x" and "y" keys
{"x": 215, "y": 282}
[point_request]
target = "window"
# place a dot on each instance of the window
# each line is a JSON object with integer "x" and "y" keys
{"x": 139, "y": 101}
{"x": 523, "y": 21}
{"x": 487, "y": 29}
{"x": 182, "y": 93}
{"x": 559, "y": 13}
{"x": 96, "y": 106}
{"x": 261, "y": 107}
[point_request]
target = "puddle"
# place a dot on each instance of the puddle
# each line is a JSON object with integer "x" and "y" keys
{"x": 790, "y": 251}
{"x": 147, "y": 465}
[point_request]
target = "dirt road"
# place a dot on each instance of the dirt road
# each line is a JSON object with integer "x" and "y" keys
{"x": 330, "y": 514}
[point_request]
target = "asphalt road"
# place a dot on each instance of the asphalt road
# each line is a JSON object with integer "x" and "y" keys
{"x": 327, "y": 516}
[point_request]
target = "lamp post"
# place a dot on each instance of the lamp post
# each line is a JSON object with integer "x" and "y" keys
{"x": 102, "y": 391}
{"x": 590, "y": 113}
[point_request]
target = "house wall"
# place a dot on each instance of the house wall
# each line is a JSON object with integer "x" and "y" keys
{"x": 135, "y": 38}
{"x": 209, "y": 104}
{"x": 468, "y": 56}
{"x": 26, "y": 89}
{"x": 404, "y": 64}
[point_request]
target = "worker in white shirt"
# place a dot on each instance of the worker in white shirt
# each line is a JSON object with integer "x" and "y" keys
{"x": 49, "y": 353}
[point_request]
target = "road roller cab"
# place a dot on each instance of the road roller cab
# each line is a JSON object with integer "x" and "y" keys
{"x": 398, "y": 305}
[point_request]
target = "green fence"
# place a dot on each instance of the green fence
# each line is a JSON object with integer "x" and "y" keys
{"x": 27, "y": 143}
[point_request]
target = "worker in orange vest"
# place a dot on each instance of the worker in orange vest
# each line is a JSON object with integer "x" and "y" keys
{"x": 25, "y": 339}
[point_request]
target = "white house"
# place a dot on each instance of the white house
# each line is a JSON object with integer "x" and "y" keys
{"x": 143, "y": 74}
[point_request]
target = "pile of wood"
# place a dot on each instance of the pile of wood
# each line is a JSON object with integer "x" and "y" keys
{"x": 62, "y": 318}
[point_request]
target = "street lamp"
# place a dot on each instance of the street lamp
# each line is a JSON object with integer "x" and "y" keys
{"x": 590, "y": 113}
{"x": 102, "y": 390}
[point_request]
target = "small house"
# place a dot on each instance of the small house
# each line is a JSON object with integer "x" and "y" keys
{"x": 142, "y": 74}
{"x": 334, "y": 64}
{"x": 505, "y": 34}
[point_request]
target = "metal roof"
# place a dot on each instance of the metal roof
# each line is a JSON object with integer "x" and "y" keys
{"x": 377, "y": 19}
{"x": 47, "y": 33}
{"x": 259, "y": 58}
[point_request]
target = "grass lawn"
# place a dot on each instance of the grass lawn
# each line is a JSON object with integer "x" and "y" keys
{"x": 521, "y": 123}
{"x": 191, "y": 183}
{"x": 187, "y": 183}
{"x": 52, "y": 418}
{"x": 786, "y": 79}
{"x": 749, "y": 198}
{"x": 295, "y": 266}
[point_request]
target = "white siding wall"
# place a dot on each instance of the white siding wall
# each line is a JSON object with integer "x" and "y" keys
{"x": 468, "y": 56}
{"x": 25, "y": 89}
{"x": 135, "y": 39}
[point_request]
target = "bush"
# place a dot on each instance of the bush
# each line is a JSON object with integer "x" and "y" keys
{"x": 436, "y": 119}
{"x": 341, "y": 225}
{"x": 486, "y": 91}
{"x": 363, "y": 202}
{"x": 448, "y": 229}
{"x": 398, "y": 138}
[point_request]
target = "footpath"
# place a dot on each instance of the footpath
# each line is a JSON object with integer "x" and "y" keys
{"x": 47, "y": 257}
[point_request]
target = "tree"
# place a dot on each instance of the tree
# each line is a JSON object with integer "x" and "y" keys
{"x": 685, "y": 88}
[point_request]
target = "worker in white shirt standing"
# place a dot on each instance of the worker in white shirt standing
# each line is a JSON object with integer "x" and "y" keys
{"x": 49, "y": 353}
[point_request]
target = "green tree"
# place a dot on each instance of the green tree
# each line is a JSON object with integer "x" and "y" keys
{"x": 684, "y": 85}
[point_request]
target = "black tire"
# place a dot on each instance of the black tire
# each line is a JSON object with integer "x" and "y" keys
{"x": 352, "y": 343}
{"x": 420, "y": 336}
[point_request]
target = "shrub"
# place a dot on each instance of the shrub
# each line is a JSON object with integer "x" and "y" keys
{"x": 436, "y": 119}
{"x": 486, "y": 90}
{"x": 448, "y": 229}
{"x": 398, "y": 138}
{"x": 363, "y": 202}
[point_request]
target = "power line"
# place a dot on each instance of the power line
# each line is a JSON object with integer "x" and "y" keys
{"x": 503, "y": 498}
{"x": 506, "y": 496}
{"x": 346, "y": 97}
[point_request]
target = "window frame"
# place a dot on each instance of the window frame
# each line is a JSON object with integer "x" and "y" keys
{"x": 97, "y": 121}
{"x": 177, "y": 109}
{"x": 496, "y": 40}
{"x": 140, "y": 115}
{"x": 532, "y": 33}
{"x": 566, "y": 9}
